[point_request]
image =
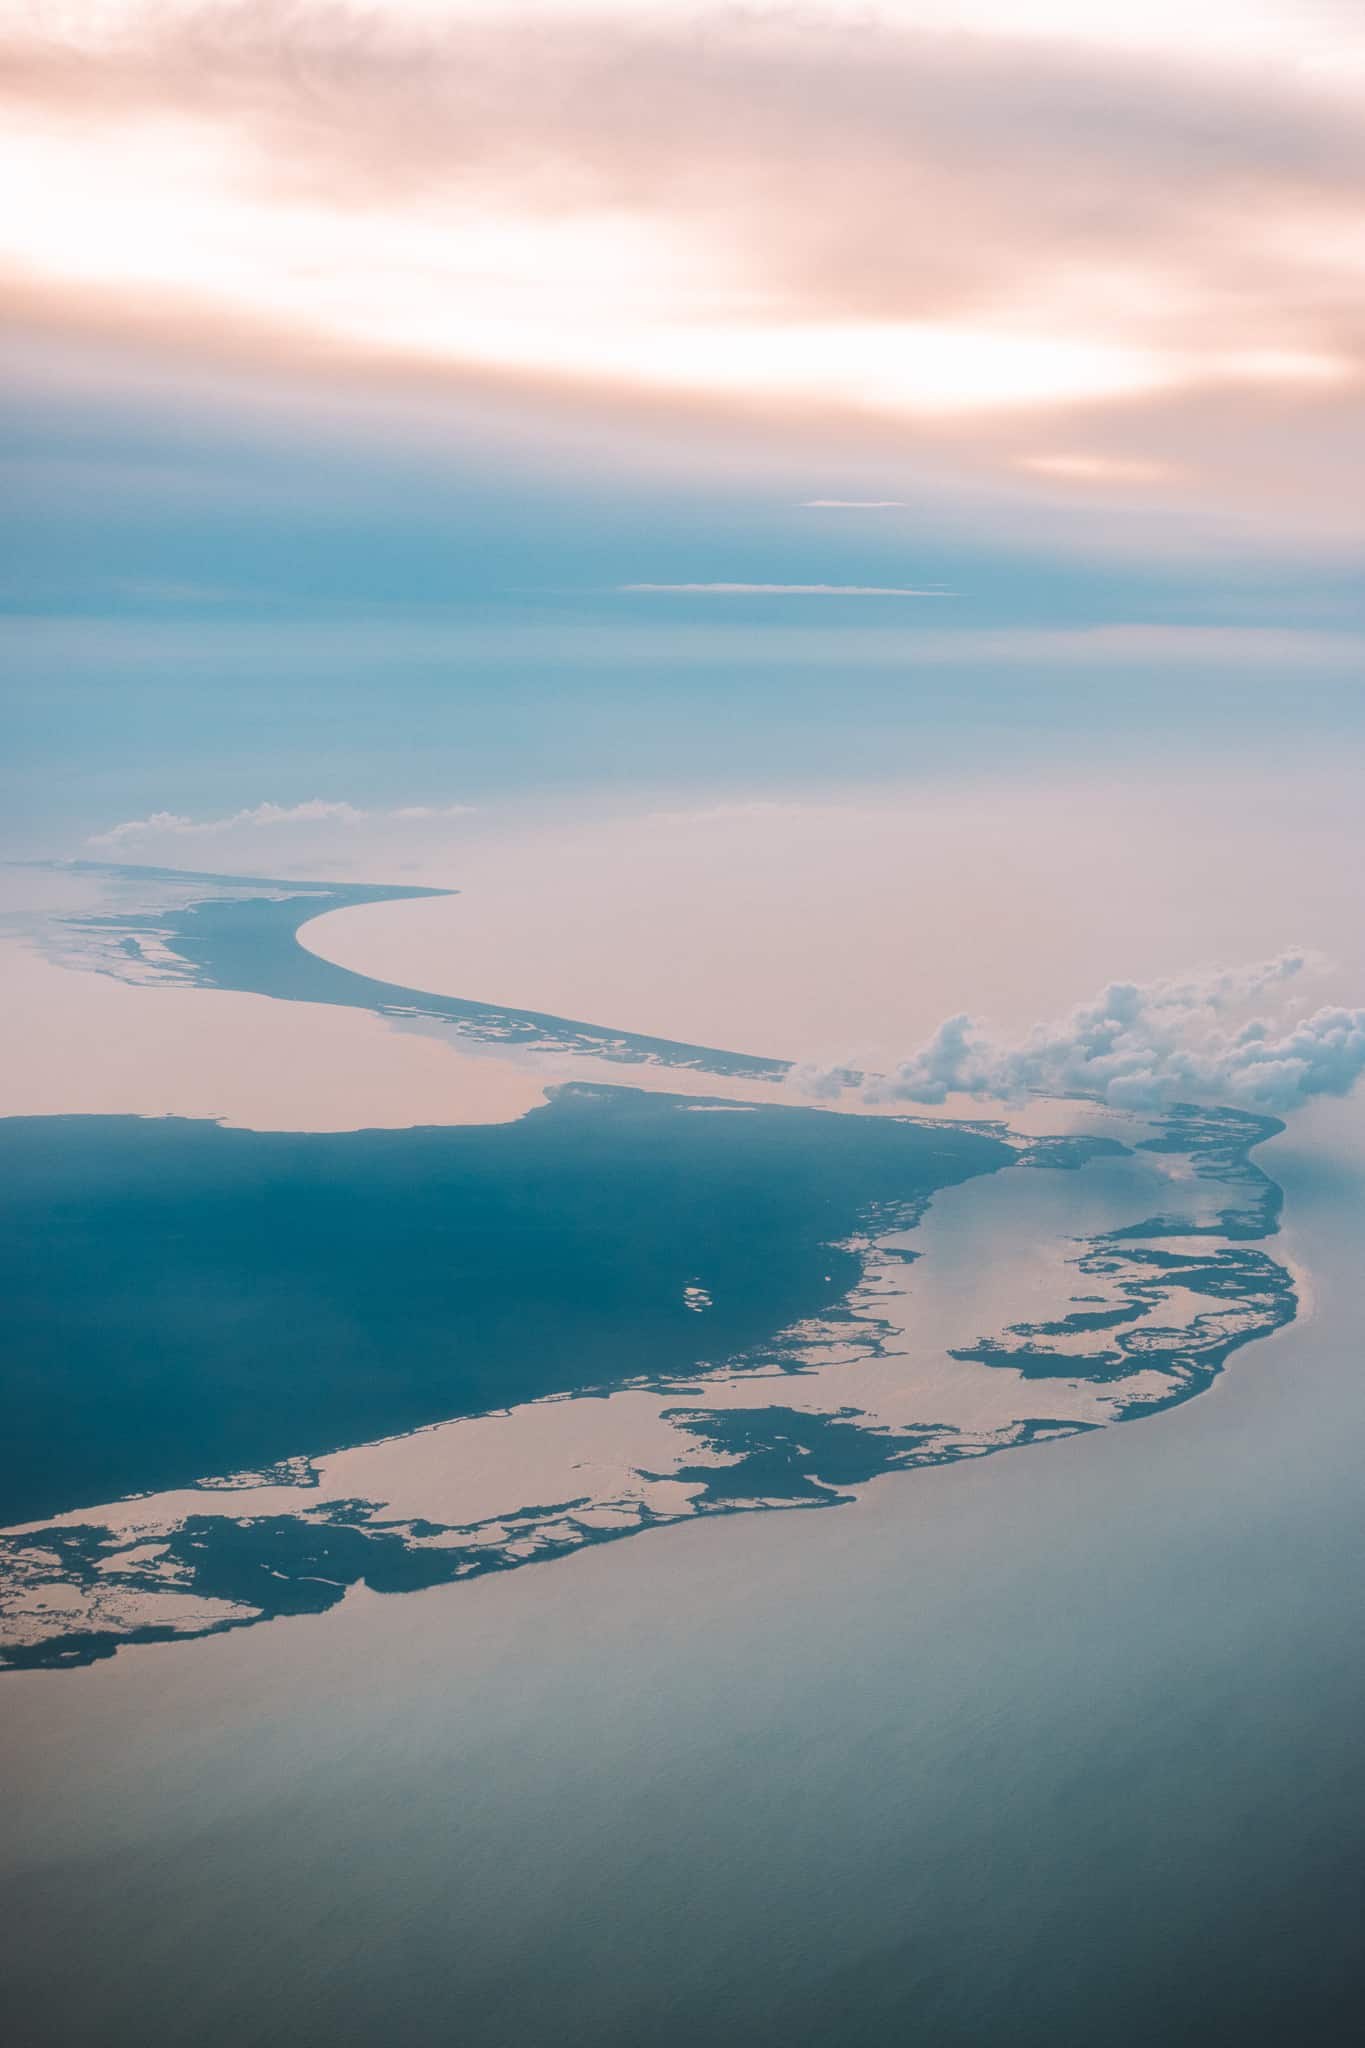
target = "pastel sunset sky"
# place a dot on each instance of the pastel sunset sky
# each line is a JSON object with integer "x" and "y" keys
{"x": 415, "y": 405}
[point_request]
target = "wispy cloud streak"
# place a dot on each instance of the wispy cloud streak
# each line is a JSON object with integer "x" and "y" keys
{"x": 1075, "y": 222}
{"x": 783, "y": 589}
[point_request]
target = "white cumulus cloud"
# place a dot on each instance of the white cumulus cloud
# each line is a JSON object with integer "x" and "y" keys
{"x": 1139, "y": 1044}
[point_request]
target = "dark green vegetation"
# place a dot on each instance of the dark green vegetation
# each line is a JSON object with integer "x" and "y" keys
{"x": 249, "y": 942}
{"x": 791, "y": 1457}
{"x": 1218, "y": 1143}
{"x": 302, "y": 1563}
{"x": 231, "y": 1300}
{"x": 183, "y": 1300}
{"x": 1248, "y": 1295}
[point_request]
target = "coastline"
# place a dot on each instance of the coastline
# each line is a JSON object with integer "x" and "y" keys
{"x": 927, "y": 1728}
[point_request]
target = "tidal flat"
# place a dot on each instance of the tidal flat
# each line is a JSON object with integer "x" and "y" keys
{"x": 892, "y": 1761}
{"x": 966, "y": 1765}
{"x": 251, "y": 1369}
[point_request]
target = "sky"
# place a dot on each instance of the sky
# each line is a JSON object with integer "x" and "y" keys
{"x": 418, "y": 405}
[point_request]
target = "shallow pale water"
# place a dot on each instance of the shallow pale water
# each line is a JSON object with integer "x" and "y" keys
{"x": 248, "y": 1370}
{"x": 1059, "y": 1744}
